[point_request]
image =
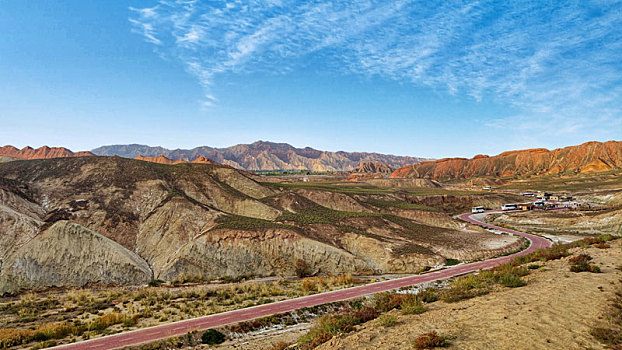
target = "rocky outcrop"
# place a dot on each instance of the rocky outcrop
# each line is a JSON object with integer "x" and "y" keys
{"x": 587, "y": 158}
{"x": 264, "y": 156}
{"x": 225, "y": 252}
{"x": 160, "y": 159}
{"x": 369, "y": 170}
{"x": 373, "y": 168}
{"x": 40, "y": 153}
{"x": 67, "y": 254}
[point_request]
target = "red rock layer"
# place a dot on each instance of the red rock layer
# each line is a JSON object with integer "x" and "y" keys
{"x": 590, "y": 157}
{"x": 41, "y": 152}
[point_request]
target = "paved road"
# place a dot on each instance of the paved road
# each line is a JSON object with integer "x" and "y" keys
{"x": 201, "y": 323}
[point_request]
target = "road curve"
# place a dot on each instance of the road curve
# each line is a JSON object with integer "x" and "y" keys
{"x": 201, "y": 323}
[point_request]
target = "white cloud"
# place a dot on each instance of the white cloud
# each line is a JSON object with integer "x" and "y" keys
{"x": 558, "y": 63}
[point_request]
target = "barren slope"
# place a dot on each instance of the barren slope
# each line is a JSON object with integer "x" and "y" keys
{"x": 556, "y": 310}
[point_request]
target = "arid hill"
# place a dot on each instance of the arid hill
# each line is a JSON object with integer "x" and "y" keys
{"x": 370, "y": 170}
{"x": 113, "y": 221}
{"x": 264, "y": 156}
{"x": 164, "y": 160}
{"x": 590, "y": 157}
{"x": 373, "y": 168}
{"x": 40, "y": 153}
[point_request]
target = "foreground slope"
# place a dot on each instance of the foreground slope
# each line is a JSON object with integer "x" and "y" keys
{"x": 590, "y": 157}
{"x": 557, "y": 309}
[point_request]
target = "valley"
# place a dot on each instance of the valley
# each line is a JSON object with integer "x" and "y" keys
{"x": 111, "y": 244}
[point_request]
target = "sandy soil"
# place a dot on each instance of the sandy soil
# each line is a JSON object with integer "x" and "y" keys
{"x": 554, "y": 311}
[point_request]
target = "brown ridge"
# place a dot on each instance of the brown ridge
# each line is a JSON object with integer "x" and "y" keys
{"x": 41, "y": 152}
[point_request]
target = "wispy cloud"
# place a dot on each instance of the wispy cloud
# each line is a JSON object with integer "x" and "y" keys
{"x": 557, "y": 62}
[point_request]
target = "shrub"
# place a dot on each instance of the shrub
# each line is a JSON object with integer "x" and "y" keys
{"x": 581, "y": 263}
{"x": 107, "y": 320}
{"x": 584, "y": 266}
{"x": 459, "y": 292}
{"x": 511, "y": 280}
{"x": 602, "y": 245}
{"x": 431, "y": 340}
{"x": 155, "y": 283}
{"x": 534, "y": 266}
{"x": 10, "y": 337}
{"x": 329, "y": 325}
{"x": 365, "y": 314}
{"x": 429, "y": 295}
{"x": 607, "y": 336}
{"x": 56, "y": 330}
{"x": 580, "y": 258}
{"x": 412, "y": 306}
{"x": 386, "y": 320}
{"x": 554, "y": 252}
{"x": 386, "y": 301}
{"x": 212, "y": 337}
{"x": 279, "y": 346}
{"x": 451, "y": 262}
{"x": 302, "y": 268}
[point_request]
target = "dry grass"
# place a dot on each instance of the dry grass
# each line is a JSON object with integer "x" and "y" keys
{"x": 35, "y": 317}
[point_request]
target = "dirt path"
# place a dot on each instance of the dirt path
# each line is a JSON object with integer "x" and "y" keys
{"x": 554, "y": 311}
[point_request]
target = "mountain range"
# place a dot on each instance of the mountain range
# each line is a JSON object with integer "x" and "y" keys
{"x": 264, "y": 156}
{"x": 589, "y": 157}
{"x": 40, "y": 153}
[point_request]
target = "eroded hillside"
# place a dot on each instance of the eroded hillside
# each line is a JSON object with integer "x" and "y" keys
{"x": 111, "y": 220}
{"x": 588, "y": 158}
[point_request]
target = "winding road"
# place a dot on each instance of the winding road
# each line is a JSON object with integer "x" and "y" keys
{"x": 201, "y": 323}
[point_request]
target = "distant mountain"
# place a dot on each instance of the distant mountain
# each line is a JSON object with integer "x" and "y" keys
{"x": 373, "y": 168}
{"x": 163, "y": 160}
{"x": 40, "y": 153}
{"x": 590, "y": 157}
{"x": 264, "y": 156}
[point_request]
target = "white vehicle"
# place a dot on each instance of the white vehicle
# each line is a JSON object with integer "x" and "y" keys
{"x": 509, "y": 207}
{"x": 477, "y": 210}
{"x": 487, "y": 188}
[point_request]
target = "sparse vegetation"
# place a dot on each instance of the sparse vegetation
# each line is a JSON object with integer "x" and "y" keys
{"x": 318, "y": 214}
{"x": 239, "y": 222}
{"x": 452, "y": 262}
{"x": 87, "y": 313}
{"x": 610, "y": 331}
{"x": 581, "y": 263}
{"x": 399, "y": 204}
{"x": 329, "y": 325}
{"x": 507, "y": 275}
{"x": 431, "y": 340}
{"x": 302, "y": 269}
{"x": 387, "y": 320}
{"x": 212, "y": 337}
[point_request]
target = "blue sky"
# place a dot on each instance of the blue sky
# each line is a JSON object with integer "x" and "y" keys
{"x": 431, "y": 79}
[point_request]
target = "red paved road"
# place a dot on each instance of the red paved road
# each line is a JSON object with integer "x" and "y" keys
{"x": 216, "y": 320}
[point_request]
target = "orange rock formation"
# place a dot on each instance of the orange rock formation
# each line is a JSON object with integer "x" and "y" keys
{"x": 590, "y": 157}
{"x": 40, "y": 153}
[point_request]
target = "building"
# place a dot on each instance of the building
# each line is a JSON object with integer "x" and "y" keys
{"x": 526, "y": 206}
